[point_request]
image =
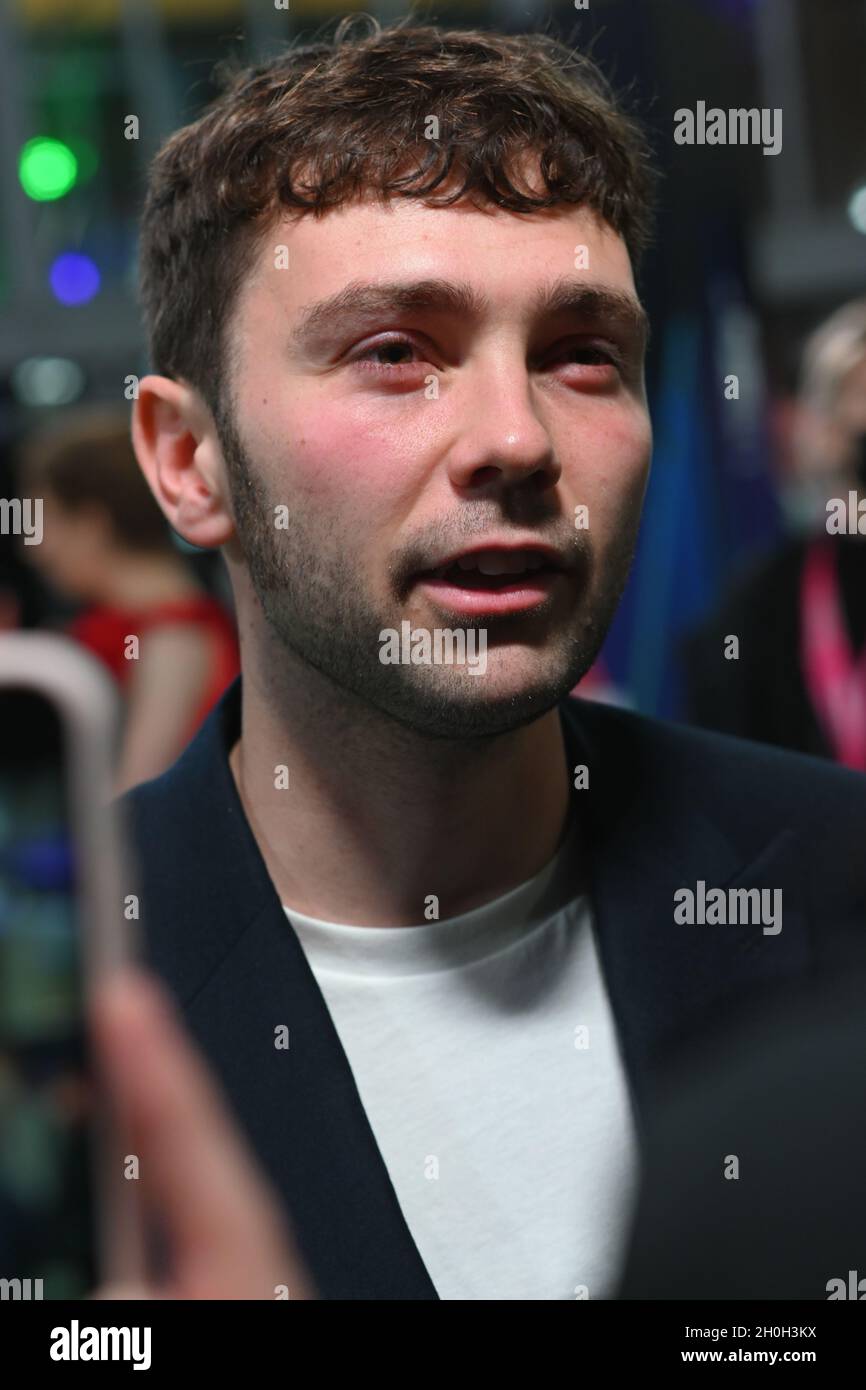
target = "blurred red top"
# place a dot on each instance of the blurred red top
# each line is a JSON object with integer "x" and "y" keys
{"x": 102, "y": 630}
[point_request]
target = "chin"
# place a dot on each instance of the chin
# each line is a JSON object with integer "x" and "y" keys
{"x": 479, "y": 708}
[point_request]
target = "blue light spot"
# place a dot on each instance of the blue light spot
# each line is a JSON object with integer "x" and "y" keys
{"x": 74, "y": 278}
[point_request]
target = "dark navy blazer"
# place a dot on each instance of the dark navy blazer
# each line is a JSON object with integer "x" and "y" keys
{"x": 666, "y": 806}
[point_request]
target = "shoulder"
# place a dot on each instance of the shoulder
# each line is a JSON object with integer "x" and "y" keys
{"x": 162, "y": 808}
{"x": 152, "y": 810}
{"x": 750, "y": 785}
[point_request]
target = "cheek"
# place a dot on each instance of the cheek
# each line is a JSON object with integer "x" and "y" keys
{"x": 611, "y": 465}
{"x": 337, "y": 462}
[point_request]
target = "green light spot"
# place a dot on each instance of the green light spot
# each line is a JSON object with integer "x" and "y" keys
{"x": 47, "y": 169}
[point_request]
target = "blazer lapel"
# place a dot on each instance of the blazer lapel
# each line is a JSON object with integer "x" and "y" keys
{"x": 215, "y": 929}
{"x": 644, "y": 839}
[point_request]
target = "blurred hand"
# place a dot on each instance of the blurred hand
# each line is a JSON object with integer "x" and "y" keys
{"x": 225, "y": 1230}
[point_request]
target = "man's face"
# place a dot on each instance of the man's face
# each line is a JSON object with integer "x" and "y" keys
{"x": 394, "y": 437}
{"x": 75, "y": 554}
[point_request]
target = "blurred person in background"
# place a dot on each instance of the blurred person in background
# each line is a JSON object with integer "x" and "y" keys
{"x": 800, "y": 615}
{"x": 20, "y": 588}
{"x": 10, "y": 603}
{"x": 106, "y": 546}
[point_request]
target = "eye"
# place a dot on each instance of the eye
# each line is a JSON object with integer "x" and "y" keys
{"x": 594, "y": 355}
{"x": 389, "y": 347}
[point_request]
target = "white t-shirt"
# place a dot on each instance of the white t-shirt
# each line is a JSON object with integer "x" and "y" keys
{"x": 485, "y": 1054}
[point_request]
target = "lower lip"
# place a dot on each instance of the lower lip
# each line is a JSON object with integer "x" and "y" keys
{"x": 526, "y": 592}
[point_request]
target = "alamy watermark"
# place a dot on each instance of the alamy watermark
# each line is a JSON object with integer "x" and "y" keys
{"x": 846, "y": 518}
{"x": 77, "y": 1343}
{"x": 737, "y": 126}
{"x": 20, "y": 1289}
{"x": 22, "y": 516}
{"x": 440, "y": 647}
{"x": 854, "y": 1287}
{"x": 729, "y": 907}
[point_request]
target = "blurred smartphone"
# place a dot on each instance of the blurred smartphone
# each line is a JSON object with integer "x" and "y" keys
{"x": 69, "y": 1219}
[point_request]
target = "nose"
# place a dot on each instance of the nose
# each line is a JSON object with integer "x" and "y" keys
{"x": 501, "y": 442}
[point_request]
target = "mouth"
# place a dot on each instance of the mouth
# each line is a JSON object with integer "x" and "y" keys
{"x": 495, "y": 568}
{"x": 494, "y": 580}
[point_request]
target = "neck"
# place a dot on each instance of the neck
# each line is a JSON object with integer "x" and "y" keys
{"x": 375, "y": 819}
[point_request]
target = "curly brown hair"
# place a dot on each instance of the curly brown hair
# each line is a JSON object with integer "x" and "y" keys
{"x": 333, "y": 121}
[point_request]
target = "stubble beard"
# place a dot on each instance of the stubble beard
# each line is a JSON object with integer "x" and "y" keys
{"x": 317, "y": 610}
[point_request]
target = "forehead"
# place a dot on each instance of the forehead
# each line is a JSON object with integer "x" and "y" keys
{"x": 506, "y": 257}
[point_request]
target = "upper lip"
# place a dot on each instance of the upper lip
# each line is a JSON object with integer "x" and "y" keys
{"x": 549, "y": 553}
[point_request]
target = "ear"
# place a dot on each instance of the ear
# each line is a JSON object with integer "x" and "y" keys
{"x": 176, "y": 444}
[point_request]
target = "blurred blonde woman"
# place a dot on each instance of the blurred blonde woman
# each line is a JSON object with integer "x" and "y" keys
{"x": 800, "y": 680}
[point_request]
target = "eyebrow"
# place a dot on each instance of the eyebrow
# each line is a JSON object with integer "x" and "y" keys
{"x": 360, "y": 300}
